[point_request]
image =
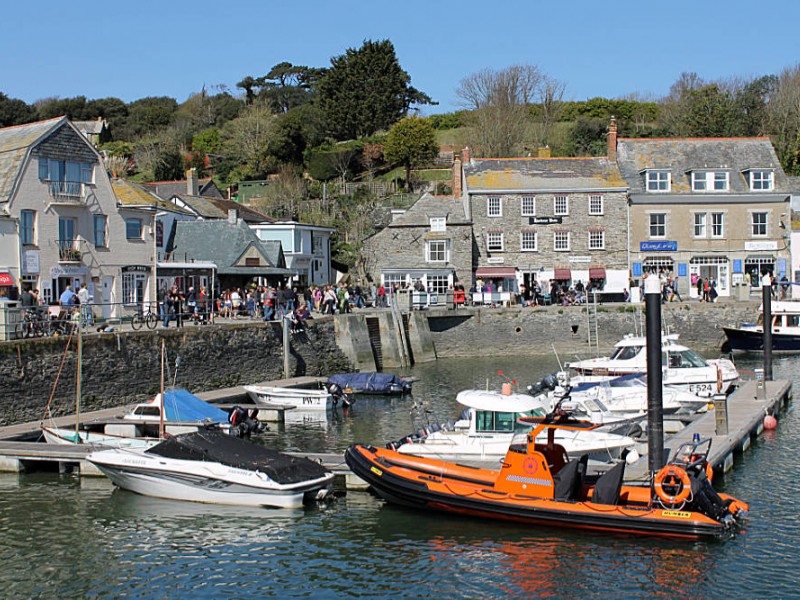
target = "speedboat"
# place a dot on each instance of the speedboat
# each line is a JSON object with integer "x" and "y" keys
{"x": 488, "y": 423}
{"x": 538, "y": 484}
{"x": 682, "y": 368}
{"x": 749, "y": 337}
{"x": 371, "y": 383}
{"x": 210, "y": 466}
{"x": 265, "y": 396}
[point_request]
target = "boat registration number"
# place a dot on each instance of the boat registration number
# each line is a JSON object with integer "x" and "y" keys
{"x": 676, "y": 513}
{"x": 702, "y": 387}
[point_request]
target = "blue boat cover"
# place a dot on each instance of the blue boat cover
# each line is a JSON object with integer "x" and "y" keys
{"x": 370, "y": 383}
{"x": 182, "y": 405}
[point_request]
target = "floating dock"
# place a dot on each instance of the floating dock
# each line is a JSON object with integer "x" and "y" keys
{"x": 731, "y": 425}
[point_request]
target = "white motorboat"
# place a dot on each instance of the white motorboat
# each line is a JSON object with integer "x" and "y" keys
{"x": 682, "y": 368}
{"x": 488, "y": 423}
{"x": 266, "y": 396}
{"x": 63, "y": 435}
{"x": 213, "y": 467}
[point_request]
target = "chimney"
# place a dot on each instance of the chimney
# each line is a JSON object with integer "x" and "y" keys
{"x": 457, "y": 189}
{"x": 544, "y": 152}
{"x": 612, "y": 140}
{"x": 465, "y": 157}
{"x": 233, "y": 216}
{"x": 191, "y": 182}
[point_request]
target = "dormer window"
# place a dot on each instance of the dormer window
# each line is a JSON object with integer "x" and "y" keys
{"x": 761, "y": 180}
{"x": 657, "y": 181}
{"x": 438, "y": 223}
{"x": 710, "y": 181}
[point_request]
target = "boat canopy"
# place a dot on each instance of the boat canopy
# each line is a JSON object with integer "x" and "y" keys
{"x": 497, "y": 402}
{"x": 370, "y": 383}
{"x": 182, "y": 405}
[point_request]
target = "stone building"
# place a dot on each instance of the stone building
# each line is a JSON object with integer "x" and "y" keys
{"x": 71, "y": 229}
{"x": 431, "y": 242}
{"x": 707, "y": 207}
{"x": 544, "y": 220}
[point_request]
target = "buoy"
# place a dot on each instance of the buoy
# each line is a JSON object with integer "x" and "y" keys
{"x": 770, "y": 422}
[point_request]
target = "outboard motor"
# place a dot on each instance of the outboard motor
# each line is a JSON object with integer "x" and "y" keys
{"x": 547, "y": 384}
{"x": 339, "y": 395}
{"x": 243, "y": 422}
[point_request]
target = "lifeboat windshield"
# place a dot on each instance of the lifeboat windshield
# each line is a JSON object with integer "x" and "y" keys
{"x": 625, "y": 352}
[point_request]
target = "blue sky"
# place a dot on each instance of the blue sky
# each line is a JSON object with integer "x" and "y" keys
{"x": 173, "y": 47}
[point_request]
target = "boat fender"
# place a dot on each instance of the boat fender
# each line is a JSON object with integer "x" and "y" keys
{"x": 719, "y": 379}
{"x": 674, "y": 478}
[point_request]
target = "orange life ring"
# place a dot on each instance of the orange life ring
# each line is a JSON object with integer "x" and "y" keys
{"x": 672, "y": 476}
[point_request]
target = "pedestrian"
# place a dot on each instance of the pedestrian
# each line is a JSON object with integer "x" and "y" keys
{"x": 700, "y": 284}
{"x": 87, "y": 317}
{"x": 675, "y": 292}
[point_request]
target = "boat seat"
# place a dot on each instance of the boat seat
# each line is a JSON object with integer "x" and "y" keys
{"x": 608, "y": 487}
{"x": 568, "y": 482}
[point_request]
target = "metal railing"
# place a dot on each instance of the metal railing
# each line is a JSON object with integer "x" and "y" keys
{"x": 66, "y": 189}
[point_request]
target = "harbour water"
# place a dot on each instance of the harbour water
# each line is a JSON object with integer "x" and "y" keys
{"x": 62, "y": 536}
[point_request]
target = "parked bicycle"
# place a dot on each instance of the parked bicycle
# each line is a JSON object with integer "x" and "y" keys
{"x": 33, "y": 324}
{"x": 150, "y": 319}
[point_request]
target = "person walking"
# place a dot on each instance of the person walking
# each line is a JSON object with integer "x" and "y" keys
{"x": 675, "y": 292}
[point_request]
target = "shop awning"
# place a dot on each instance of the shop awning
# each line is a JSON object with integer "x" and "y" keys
{"x": 562, "y": 273}
{"x": 6, "y": 279}
{"x": 597, "y": 272}
{"x": 496, "y": 272}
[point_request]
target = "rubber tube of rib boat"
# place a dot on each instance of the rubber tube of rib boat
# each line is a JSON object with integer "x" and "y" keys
{"x": 766, "y": 301}
{"x": 655, "y": 407}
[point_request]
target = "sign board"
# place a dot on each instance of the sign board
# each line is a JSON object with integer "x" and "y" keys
{"x": 67, "y": 271}
{"x": 135, "y": 269}
{"x": 30, "y": 262}
{"x": 545, "y": 220}
{"x": 765, "y": 245}
{"x": 580, "y": 259}
{"x": 496, "y": 260}
{"x": 660, "y": 246}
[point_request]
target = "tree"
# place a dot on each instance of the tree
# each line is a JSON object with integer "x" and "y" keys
{"x": 72, "y": 108}
{"x": 371, "y": 156}
{"x": 169, "y": 166}
{"x": 207, "y": 141}
{"x": 246, "y": 142}
{"x": 411, "y": 142}
{"x": 783, "y": 119}
{"x": 498, "y": 103}
{"x": 147, "y": 116}
{"x": 15, "y": 112}
{"x": 365, "y": 91}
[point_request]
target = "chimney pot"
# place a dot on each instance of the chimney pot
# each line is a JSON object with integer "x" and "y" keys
{"x": 612, "y": 139}
{"x": 192, "y": 187}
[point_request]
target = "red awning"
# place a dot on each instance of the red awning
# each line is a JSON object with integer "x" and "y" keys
{"x": 5, "y": 279}
{"x": 496, "y": 272}
{"x": 561, "y": 273}
{"x": 597, "y": 272}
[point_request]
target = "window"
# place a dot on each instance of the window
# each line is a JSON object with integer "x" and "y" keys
{"x": 560, "y": 205}
{"x": 658, "y": 181}
{"x": 392, "y": 279}
{"x": 717, "y": 225}
{"x": 438, "y": 223}
{"x": 720, "y": 181}
{"x": 133, "y": 288}
{"x": 597, "y": 239}
{"x": 65, "y": 177}
{"x": 595, "y": 204}
{"x": 437, "y": 284}
{"x": 494, "y": 206}
{"x": 528, "y": 241}
{"x": 494, "y": 241}
{"x": 100, "y": 222}
{"x": 703, "y": 181}
{"x": 529, "y": 206}
{"x": 658, "y": 225}
{"x": 759, "y": 223}
{"x": 27, "y": 227}
{"x": 133, "y": 229}
{"x": 436, "y": 251}
{"x": 760, "y": 181}
{"x": 561, "y": 241}
{"x": 700, "y": 225}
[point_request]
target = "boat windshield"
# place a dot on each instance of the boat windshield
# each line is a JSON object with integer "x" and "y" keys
{"x": 489, "y": 420}
{"x": 594, "y": 405}
{"x": 625, "y": 352}
{"x": 686, "y": 359}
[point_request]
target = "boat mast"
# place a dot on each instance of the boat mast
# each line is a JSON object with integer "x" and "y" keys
{"x": 78, "y": 383}
{"x": 161, "y": 409}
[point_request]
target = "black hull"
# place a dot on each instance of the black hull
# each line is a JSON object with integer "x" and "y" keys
{"x": 745, "y": 340}
{"x": 402, "y": 491}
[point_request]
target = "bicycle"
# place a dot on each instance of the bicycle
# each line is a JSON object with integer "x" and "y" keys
{"x": 150, "y": 319}
{"x": 32, "y": 325}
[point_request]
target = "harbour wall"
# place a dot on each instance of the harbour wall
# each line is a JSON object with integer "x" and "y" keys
{"x": 124, "y": 367}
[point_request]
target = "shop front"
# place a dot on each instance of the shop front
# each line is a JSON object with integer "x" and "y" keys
{"x": 706, "y": 268}
{"x": 756, "y": 266}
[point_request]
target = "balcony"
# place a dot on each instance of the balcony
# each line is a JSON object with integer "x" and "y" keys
{"x": 67, "y": 192}
{"x": 69, "y": 251}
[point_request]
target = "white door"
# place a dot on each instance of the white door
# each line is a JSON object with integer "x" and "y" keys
{"x": 108, "y": 285}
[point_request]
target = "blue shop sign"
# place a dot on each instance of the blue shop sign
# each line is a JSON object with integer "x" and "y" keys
{"x": 662, "y": 246}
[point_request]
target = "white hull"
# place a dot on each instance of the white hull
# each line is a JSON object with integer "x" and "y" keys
{"x": 197, "y": 481}
{"x": 59, "y": 435}
{"x": 270, "y": 397}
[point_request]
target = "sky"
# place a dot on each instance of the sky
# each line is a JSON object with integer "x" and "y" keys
{"x": 613, "y": 49}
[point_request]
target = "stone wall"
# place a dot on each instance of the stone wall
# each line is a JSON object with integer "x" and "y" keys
{"x": 529, "y": 331}
{"x": 120, "y": 369}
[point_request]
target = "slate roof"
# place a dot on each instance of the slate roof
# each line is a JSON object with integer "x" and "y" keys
{"x": 167, "y": 189}
{"x": 419, "y": 213}
{"x": 217, "y": 208}
{"x": 15, "y": 144}
{"x": 223, "y": 243}
{"x": 681, "y": 156}
{"x": 91, "y": 127}
{"x": 130, "y": 195}
{"x": 510, "y": 175}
